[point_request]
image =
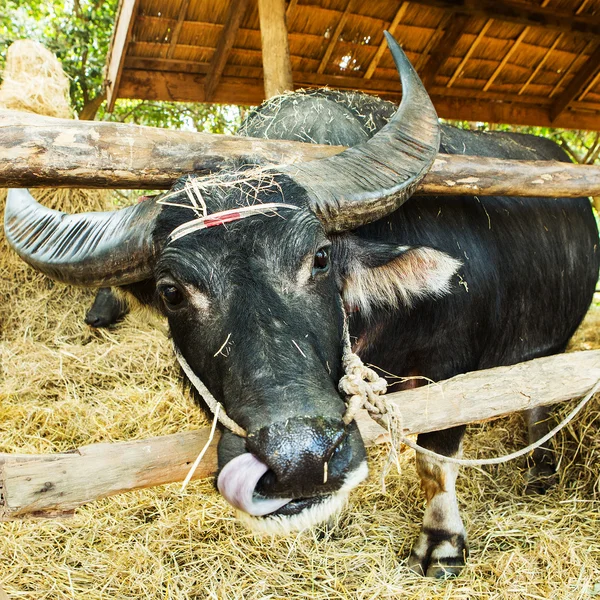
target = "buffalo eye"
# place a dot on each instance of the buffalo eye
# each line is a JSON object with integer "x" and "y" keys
{"x": 171, "y": 295}
{"x": 321, "y": 262}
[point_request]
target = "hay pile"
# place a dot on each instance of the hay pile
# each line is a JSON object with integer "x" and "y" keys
{"x": 34, "y": 81}
{"x": 63, "y": 385}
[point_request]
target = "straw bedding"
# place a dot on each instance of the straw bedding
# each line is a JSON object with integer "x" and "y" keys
{"x": 64, "y": 385}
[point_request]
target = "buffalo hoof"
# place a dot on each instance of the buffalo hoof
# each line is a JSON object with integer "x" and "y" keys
{"x": 438, "y": 554}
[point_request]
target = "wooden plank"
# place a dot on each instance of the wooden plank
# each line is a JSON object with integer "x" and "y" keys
{"x": 277, "y": 67}
{"x": 582, "y": 78}
{"x": 469, "y": 52}
{"x": 37, "y": 151}
{"x": 54, "y": 485}
{"x": 382, "y": 47}
{"x": 523, "y": 13}
{"x": 335, "y": 36}
{"x": 118, "y": 49}
{"x": 289, "y": 11}
{"x": 176, "y": 31}
{"x": 235, "y": 16}
{"x": 443, "y": 49}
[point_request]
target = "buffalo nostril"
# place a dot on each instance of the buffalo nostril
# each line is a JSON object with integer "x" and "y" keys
{"x": 92, "y": 321}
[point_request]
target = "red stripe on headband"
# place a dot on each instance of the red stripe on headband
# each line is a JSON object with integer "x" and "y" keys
{"x": 222, "y": 219}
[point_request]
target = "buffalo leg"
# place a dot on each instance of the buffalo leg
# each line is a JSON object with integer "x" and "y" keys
{"x": 441, "y": 549}
{"x": 541, "y": 472}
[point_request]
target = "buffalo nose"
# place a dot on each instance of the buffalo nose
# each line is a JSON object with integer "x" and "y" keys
{"x": 94, "y": 321}
{"x": 306, "y": 456}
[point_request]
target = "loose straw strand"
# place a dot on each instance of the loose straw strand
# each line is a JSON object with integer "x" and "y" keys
{"x": 203, "y": 451}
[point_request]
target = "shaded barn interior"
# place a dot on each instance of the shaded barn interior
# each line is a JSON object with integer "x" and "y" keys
{"x": 527, "y": 62}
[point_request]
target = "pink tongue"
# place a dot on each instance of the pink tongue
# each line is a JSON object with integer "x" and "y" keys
{"x": 237, "y": 482}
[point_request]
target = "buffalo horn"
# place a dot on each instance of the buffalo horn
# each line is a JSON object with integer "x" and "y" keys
{"x": 371, "y": 180}
{"x": 91, "y": 249}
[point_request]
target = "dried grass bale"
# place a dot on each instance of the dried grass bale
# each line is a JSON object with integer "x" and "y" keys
{"x": 34, "y": 81}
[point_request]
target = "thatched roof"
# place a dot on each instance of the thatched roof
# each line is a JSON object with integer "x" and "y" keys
{"x": 527, "y": 62}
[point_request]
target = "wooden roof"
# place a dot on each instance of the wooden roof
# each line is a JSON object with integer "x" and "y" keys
{"x": 530, "y": 62}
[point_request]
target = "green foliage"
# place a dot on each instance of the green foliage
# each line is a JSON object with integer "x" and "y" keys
{"x": 192, "y": 116}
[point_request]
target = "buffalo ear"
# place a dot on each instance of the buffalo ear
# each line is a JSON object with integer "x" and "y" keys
{"x": 389, "y": 276}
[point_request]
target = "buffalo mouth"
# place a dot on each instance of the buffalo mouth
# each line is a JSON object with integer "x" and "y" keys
{"x": 238, "y": 481}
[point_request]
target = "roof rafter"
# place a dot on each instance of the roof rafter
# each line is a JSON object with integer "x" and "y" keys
{"x": 580, "y": 82}
{"x": 336, "y": 34}
{"x": 235, "y": 16}
{"x": 470, "y": 51}
{"x": 443, "y": 48}
{"x": 183, "y": 8}
{"x": 392, "y": 28}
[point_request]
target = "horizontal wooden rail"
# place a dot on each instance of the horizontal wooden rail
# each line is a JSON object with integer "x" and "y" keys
{"x": 54, "y": 485}
{"x": 37, "y": 151}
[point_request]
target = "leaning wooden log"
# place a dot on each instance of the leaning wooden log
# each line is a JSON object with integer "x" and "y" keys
{"x": 37, "y": 151}
{"x": 54, "y": 485}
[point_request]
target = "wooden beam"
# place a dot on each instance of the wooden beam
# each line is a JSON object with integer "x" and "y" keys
{"x": 37, "y": 151}
{"x": 567, "y": 72}
{"x": 189, "y": 87}
{"x": 118, "y": 49}
{"x": 469, "y": 52}
{"x": 582, "y": 78}
{"x": 506, "y": 58}
{"x": 382, "y": 47}
{"x": 335, "y": 36}
{"x": 460, "y": 104}
{"x": 443, "y": 48}
{"x": 465, "y": 109}
{"x": 176, "y": 31}
{"x": 235, "y": 16}
{"x": 277, "y": 66}
{"x": 523, "y": 13}
{"x": 55, "y": 485}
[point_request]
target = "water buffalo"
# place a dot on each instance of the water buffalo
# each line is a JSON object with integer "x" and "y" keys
{"x": 254, "y": 267}
{"x": 107, "y": 309}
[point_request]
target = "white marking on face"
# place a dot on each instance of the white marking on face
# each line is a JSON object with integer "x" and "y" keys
{"x": 198, "y": 299}
{"x": 318, "y": 513}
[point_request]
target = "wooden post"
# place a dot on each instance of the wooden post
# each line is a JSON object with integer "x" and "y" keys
{"x": 277, "y": 68}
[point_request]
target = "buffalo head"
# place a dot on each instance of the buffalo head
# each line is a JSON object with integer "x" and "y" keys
{"x": 255, "y": 305}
